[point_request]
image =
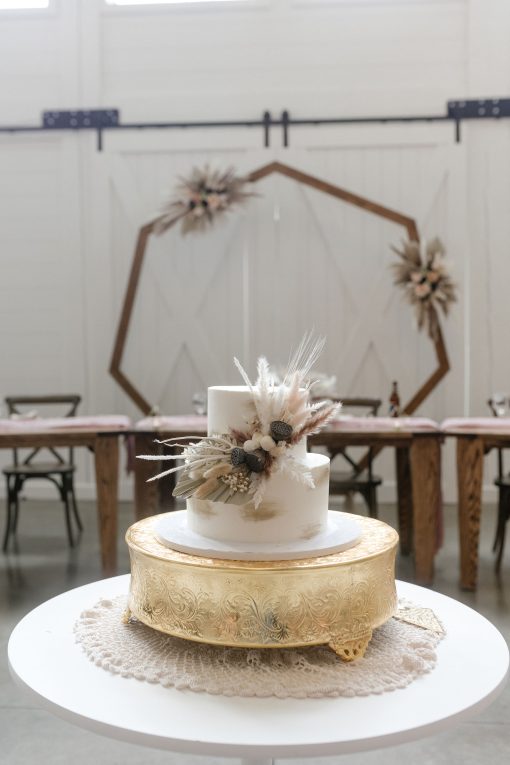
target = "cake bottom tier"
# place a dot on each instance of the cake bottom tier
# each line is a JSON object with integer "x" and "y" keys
{"x": 289, "y": 512}
{"x": 334, "y": 599}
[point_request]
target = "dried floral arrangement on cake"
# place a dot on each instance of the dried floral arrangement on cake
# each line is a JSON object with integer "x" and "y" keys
{"x": 201, "y": 198}
{"x": 234, "y": 467}
{"x": 426, "y": 282}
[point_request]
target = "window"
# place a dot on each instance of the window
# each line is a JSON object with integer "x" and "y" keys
{"x": 20, "y": 5}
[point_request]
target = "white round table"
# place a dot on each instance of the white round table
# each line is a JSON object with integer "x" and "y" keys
{"x": 45, "y": 660}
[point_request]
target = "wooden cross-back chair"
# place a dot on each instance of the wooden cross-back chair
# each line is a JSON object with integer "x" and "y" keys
{"x": 60, "y": 470}
{"x": 502, "y": 481}
{"x": 356, "y": 480}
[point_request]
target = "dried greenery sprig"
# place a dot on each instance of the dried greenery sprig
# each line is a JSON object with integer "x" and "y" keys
{"x": 202, "y": 198}
{"x": 234, "y": 467}
{"x": 426, "y": 282}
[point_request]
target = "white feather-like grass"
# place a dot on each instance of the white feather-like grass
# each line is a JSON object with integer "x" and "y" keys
{"x": 243, "y": 373}
{"x": 297, "y": 471}
{"x": 212, "y": 441}
{"x": 303, "y": 360}
{"x": 264, "y": 395}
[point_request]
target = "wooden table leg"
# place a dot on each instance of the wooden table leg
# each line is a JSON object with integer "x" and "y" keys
{"x": 425, "y": 458}
{"x": 404, "y": 500}
{"x": 470, "y": 453}
{"x": 146, "y": 494}
{"x": 106, "y": 457}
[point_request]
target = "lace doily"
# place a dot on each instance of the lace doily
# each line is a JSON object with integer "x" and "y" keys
{"x": 398, "y": 653}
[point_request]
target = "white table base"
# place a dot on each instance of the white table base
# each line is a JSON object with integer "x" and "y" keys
{"x": 47, "y": 663}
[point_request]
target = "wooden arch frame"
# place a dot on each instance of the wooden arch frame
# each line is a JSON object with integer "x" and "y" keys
{"x": 373, "y": 208}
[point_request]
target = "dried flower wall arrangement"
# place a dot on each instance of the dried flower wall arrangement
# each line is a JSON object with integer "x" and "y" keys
{"x": 234, "y": 467}
{"x": 425, "y": 281}
{"x": 202, "y": 198}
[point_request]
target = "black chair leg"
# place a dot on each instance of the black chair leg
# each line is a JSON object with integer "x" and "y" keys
{"x": 18, "y": 485}
{"x": 499, "y": 557}
{"x": 12, "y": 510}
{"x": 75, "y": 507}
{"x": 8, "y": 524}
{"x": 501, "y": 519}
{"x": 374, "y": 512}
{"x": 64, "y": 496}
{"x": 15, "y": 516}
{"x": 369, "y": 494}
{"x": 69, "y": 528}
{"x": 503, "y": 515}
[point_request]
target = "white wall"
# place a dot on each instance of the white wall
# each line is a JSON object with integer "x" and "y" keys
{"x": 69, "y": 215}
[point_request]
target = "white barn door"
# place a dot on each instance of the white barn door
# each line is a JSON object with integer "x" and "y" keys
{"x": 292, "y": 260}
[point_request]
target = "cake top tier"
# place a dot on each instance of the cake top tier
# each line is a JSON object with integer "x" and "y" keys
{"x": 231, "y": 408}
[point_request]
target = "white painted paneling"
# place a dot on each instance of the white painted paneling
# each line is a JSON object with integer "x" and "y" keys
{"x": 294, "y": 258}
{"x": 348, "y": 59}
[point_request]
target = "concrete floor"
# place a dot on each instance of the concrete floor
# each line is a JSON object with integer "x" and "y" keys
{"x": 44, "y": 567}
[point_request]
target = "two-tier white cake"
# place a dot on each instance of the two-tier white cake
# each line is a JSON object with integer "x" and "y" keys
{"x": 285, "y": 516}
{"x": 290, "y": 511}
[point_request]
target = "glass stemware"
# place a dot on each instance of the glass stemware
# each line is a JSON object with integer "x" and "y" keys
{"x": 199, "y": 402}
{"x": 499, "y": 403}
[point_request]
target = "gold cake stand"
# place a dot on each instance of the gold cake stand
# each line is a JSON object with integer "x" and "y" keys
{"x": 334, "y": 599}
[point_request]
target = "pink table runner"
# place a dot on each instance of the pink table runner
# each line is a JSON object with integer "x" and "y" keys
{"x": 498, "y": 424}
{"x": 184, "y": 422}
{"x": 197, "y": 423}
{"x": 114, "y": 421}
{"x": 349, "y": 422}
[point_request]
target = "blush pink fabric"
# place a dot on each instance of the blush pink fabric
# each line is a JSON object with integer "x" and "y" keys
{"x": 192, "y": 422}
{"x": 349, "y": 422}
{"x": 476, "y": 423}
{"x": 94, "y": 422}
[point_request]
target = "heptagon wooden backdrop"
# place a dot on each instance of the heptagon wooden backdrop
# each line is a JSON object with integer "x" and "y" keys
{"x": 409, "y": 225}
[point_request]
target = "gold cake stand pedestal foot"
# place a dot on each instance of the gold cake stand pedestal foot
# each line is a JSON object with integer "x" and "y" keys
{"x": 350, "y": 650}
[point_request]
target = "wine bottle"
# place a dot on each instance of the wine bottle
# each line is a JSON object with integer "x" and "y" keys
{"x": 394, "y": 401}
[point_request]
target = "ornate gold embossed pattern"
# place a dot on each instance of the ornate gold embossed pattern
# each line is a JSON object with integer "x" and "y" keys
{"x": 335, "y": 599}
{"x": 376, "y": 536}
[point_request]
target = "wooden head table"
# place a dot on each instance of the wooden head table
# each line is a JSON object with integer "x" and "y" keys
{"x": 475, "y": 436}
{"x": 100, "y": 435}
{"x": 418, "y": 471}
